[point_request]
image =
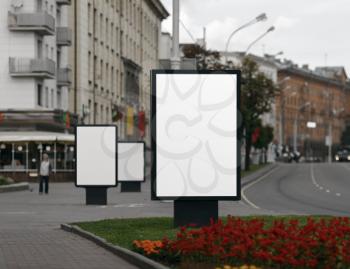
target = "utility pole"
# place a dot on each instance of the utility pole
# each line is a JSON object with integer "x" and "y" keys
{"x": 175, "y": 59}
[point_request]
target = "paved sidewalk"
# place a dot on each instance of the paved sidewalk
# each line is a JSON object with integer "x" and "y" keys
{"x": 53, "y": 249}
{"x": 30, "y": 237}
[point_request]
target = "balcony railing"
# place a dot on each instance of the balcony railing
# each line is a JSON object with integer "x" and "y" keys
{"x": 63, "y": 36}
{"x": 64, "y": 76}
{"x": 39, "y": 22}
{"x": 63, "y": 2}
{"x": 27, "y": 67}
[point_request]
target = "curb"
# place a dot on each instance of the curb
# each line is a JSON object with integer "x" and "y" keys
{"x": 132, "y": 257}
{"x": 15, "y": 187}
{"x": 256, "y": 175}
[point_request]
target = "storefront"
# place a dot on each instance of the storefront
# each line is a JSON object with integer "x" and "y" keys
{"x": 21, "y": 154}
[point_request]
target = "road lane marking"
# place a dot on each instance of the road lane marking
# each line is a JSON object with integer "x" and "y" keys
{"x": 313, "y": 179}
{"x": 17, "y": 212}
{"x": 251, "y": 184}
{"x": 129, "y": 205}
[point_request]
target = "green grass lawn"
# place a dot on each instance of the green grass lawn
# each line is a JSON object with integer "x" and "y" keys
{"x": 253, "y": 168}
{"x": 123, "y": 232}
{"x": 3, "y": 181}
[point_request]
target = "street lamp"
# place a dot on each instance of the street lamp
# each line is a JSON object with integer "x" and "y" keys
{"x": 277, "y": 54}
{"x": 295, "y": 127}
{"x": 282, "y": 117}
{"x": 272, "y": 28}
{"x": 261, "y": 17}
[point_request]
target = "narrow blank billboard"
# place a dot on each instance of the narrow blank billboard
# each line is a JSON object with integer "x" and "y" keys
{"x": 131, "y": 161}
{"x": 195, "y": 135}
{"x": 96, "y": 156}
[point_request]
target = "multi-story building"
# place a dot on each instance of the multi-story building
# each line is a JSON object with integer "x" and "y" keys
{"x": 311, "y": 107}
{"x": 34, "y": 80}
{"x": 115, "y": 48}
{"x": 310, "y": 111}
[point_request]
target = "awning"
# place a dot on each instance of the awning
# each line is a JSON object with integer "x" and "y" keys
{"x": 35, "y": 136}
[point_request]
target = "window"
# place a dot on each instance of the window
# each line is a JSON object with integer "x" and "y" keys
{"x": 47, "y": 51}
{"x": 107, "y": 114}
{"x": 89, "y": 18}
{"x": 46, "y": 97}
{"x": 39, "y": 93}
{"x": 52, "y": 98}
{"x": 89, "y": 65}
{"x": 107, "y": 76}
{"x": 59, "y": 98}
{"x": 107, "y": 34}
{"x": 101, "y": 27}
{"x": 102, "y": 117}
{"x": 89, "y": 105}
{"x": 95, "y": 23}
{"x": 40, "y": 48}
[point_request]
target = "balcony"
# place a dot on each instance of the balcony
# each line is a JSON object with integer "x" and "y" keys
{"x": 40, "y": 22}
{"x": 27, "y": 67}
{"x": 63, "y": 2}
{"x": 63, "y": 36}
{"x": 64, "y": 76}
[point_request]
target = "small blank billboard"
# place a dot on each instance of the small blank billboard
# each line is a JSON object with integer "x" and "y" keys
{"x": 195, "y": 133}
{"x": 96, "y": 156}
{"x": 131, "y": 161}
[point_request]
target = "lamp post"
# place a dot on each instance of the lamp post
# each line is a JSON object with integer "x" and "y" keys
{"x": 175, "y": 59}
{"x": 282, "y": 103}
{"x": 261, "y": 17}
{"x": 272, "y": 28}
{"x": 295, "y": 127}
{"x": 332, "y": 113}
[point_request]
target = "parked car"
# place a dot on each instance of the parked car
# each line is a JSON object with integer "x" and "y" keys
{"x": 342, "y": 155}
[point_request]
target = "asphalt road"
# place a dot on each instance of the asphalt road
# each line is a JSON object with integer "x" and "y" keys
{"x": 307, "y": 189}
{"x": 29, "y": 223}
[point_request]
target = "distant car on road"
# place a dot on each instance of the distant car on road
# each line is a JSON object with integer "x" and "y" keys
{"x": 342, "y": 155}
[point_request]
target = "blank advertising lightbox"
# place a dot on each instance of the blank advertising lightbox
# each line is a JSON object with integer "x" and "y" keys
{"x": 131, "y": 161}
{"x": 96, "y": 156}
{"x": 195, "y": 133}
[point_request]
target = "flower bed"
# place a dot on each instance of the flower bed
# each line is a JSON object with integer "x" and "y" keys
{"x": 323, "y": 243}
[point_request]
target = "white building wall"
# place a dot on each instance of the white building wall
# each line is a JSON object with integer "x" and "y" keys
{"x": 21, "y": 92}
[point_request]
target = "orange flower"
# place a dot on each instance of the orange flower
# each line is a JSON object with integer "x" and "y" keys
{"x": 147, "y": 246}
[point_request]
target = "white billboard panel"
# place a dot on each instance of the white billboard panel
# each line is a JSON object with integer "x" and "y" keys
{"x": 131, "y": 161}
{"x": 195, "y": 134}
{"x": 96, "y": 155}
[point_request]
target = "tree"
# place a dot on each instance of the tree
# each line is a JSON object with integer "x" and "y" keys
{"x": 264, "y": 137}
{"x": 345, "y": 137}
{"x": 257, "y": 91}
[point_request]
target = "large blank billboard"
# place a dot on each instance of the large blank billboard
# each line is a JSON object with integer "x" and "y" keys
{"x": 195, "y": 135}
{"x": 131, "y": 161}
{"x": 96, "y": 156}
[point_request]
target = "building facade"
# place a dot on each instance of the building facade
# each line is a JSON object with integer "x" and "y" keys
{"x": 312, "y": 108}
{"x": 34, "y": 81}
{"x": 116, "y": 46}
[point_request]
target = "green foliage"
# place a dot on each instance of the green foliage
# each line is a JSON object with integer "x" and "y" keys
{"x": 345, "y": 137}
{"x": 257, "y": 90}
{"x": 5, "y": 180}
{"x": 265, "y": 137}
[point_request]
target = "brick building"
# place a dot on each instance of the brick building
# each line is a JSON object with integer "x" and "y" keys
{"x": 319, "y": 97}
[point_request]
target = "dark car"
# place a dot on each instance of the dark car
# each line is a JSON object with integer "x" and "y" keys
{"x": 342, "y": 155}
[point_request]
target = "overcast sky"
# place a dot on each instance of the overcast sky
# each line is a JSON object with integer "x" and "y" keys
{"x": 306, "y": 30}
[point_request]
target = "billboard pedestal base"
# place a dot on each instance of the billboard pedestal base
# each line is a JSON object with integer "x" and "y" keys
{"x": 96, "y": 195}
{"x": 130, "y": 187}
{"x": 195, "y": 212}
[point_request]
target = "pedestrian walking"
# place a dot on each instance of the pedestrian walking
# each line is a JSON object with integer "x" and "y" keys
{"x": 44, "y": 173}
